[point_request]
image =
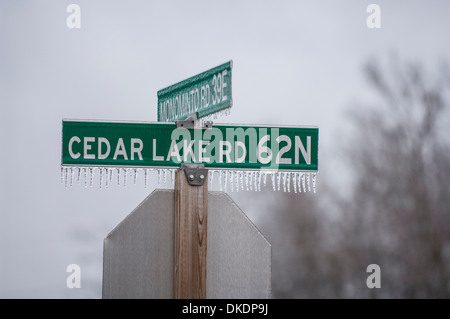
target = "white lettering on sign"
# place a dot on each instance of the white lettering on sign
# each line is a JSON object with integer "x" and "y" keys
{"x": 136, "y": 150}
{"x": 156, "y": 157}
{"x": 188, "y": 150}
{"x": 102, "y": 140}
{"x": 219, "y": 85}
{"x": 87, "y": 147}
{"x": 202, "y": 151}
{"x": 120, "y": 150}
{"x": 241, "y": 145}
{"x": 264, "y": 150}
{"x": 238, "y": 146}
{"x": 223, "y": 152}
{"x": 279, "y": 159}
{"x": 232, "y": 146}
{"x": 104, "y": 148}
{"x": 187, "y": 102}
{"x": 72, "y": 154}
{"x": 174, "y": 151}
{"x": 305, "y": 153}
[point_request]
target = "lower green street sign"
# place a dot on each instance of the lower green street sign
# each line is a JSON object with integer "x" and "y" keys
{"x": 155, "y": 144}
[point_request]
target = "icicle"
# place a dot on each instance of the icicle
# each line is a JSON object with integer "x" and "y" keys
{"x": 279, "y": 181}
{"x": 303, "y": 182}
{"x": 70, "y": 176}
{"x": 259, "y": 180}
{"x": 135, "y": 176}
{"x": 111, "y": 171}
{"x": 273, "y": 181}
{"x": 145, "y": 177}
{"x": 299, "y": 182}
{"x": 236, "y": 180}
{"x": 250, "y": 180}
{"x": 241, "y": 180}
{"x": 265, "y": 179}
{"x": 314, "y": 182}
{"x": 246, "y": 180}
{"x": 217, "y": 173}
{"x": 225, "y": 176}
{"x": 309, "y": 181}
{"x": 85, "y": 176}
{"x": 78, "y": 175}
{"x": 65, "y": 177}
{"x": 232, "y": 181}
{"x": 220, "y": 180}
{"x": 159, "y": 177}
{"x": 118, "y": 176}
{"x": 62, "y": 174}
{"x": 255, "y": 181}
{"x": 284, "y": 175}
{"x": 91, "y": 180}
{"x": 70, "y": 172}
{"x": 172, "y": 173}
{"x": 125, "y": 173}
{"x": 101, "y": 176}
{"x": 294, "y": 181}
{"x": 107, "y": 172}
{"x": 288, "y": 177}
{"x": 165, "y": 177}
{"x": 211, "y": 176}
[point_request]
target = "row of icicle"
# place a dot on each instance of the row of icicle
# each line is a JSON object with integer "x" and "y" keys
{"x": 235, "y": 180}
{"x": 215, "y": 115}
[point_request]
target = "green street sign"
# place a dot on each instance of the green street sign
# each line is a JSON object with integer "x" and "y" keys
{"x": 154, "y": 144}
{"x": 204, "y": 94}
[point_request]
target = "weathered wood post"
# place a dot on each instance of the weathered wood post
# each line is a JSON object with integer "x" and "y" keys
{"x": 191, "y": 216}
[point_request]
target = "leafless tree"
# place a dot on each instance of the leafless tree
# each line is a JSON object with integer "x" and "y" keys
{"x": 398, "y": 212}
{"x": 400, "y": 209}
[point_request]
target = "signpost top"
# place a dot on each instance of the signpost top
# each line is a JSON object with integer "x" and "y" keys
{"x": 204, "y": 94}
{"x": 178, "y": 138}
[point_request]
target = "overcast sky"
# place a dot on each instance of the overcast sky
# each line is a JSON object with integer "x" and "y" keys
{"x": 295, "y": 63}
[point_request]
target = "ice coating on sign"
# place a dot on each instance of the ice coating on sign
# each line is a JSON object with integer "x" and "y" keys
{"x": 227, "y": 180}
{"x": 215, "y": 115}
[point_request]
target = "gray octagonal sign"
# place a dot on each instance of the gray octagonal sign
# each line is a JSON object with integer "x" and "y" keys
{"x": 138, "y": 252}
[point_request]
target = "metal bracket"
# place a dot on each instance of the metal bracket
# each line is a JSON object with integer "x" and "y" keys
{"x": 195, "y": 173}
{"x": 191, "y": 121}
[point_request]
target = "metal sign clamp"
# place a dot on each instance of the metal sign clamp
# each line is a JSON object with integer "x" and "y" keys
{"x": 195, "y": 173}
{"x": 192, "y": 121}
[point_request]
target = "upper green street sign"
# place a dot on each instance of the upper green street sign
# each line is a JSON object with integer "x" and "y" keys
{"x": 147, "y": 144}
{"x": 204, "y": 94}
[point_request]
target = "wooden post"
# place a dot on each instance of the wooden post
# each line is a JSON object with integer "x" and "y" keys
{"x": 191, "y": 212}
